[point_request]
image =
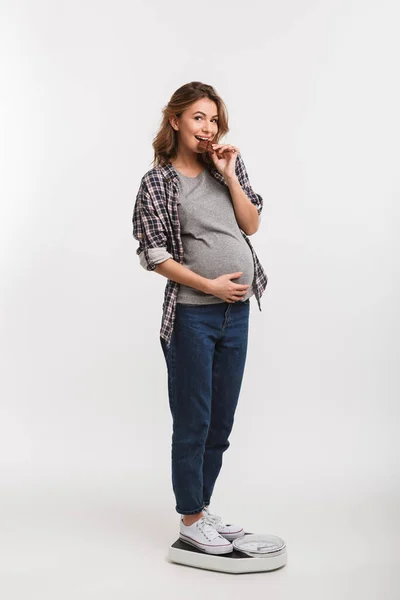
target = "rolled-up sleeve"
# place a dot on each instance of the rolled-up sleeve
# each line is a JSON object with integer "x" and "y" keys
{"x": 244, "y": 181}
{"x": 148, "y": 230}
{"x": 157, "y": 256}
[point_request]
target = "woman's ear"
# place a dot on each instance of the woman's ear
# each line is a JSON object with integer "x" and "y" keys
{"x": 173, "y": 122}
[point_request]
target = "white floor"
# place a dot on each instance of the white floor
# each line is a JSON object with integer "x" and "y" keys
{"x": 85, "y": 539}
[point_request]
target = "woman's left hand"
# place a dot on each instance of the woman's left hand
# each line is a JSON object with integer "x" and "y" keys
{"x": 224, "y": 159}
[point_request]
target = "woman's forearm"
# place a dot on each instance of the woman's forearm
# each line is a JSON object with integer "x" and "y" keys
{"x": 171, "y": 269}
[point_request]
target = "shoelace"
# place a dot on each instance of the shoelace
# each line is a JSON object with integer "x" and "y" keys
{"x": 207, "y": 526}
{"x": 214, "y": 520}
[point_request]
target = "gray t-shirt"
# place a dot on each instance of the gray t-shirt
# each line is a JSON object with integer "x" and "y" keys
{"x": 213, "y": 244}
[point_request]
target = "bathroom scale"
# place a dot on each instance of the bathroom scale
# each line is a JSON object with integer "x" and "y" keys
{"x": 251, "y": 553}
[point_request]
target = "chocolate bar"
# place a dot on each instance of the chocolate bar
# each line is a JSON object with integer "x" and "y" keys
{"x": 205, "y": 145}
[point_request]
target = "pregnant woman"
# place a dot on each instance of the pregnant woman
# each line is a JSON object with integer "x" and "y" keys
{"x": 193, "y": 214}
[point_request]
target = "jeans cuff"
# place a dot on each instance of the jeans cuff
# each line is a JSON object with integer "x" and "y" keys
{"x": 189, "y": 512}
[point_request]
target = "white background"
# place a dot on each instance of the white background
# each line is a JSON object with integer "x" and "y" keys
{"x": 86, "y": 501}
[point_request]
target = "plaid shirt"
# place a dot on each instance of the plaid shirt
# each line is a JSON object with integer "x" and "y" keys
{"x": 156, "y": 225}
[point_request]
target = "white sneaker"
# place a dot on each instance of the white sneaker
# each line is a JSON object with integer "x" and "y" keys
{"x": 203, "y": 535}
{"x": 227, "y": 530}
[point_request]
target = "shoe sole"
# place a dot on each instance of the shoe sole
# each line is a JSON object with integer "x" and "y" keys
{"x": 207, "y": 550}
{"x": 232, "y": 536}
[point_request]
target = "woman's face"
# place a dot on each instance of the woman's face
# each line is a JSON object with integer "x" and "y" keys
{"x": 200, "y": 119}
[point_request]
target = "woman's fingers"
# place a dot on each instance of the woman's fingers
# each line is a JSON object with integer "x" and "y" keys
{"x": 224, "y": 147}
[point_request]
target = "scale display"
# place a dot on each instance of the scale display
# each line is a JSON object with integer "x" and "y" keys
{"x": 259, "y": 545}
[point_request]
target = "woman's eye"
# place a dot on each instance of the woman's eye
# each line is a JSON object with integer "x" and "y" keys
{"x": 199, "y": 117}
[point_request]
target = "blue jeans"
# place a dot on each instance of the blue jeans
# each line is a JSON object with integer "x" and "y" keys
{"x": 205, "y": 363}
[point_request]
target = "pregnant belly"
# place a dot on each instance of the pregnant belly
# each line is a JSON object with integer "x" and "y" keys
{"x": 230, "y": 258}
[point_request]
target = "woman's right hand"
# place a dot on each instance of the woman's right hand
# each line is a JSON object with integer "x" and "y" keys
{"x": 224, "y": 288}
